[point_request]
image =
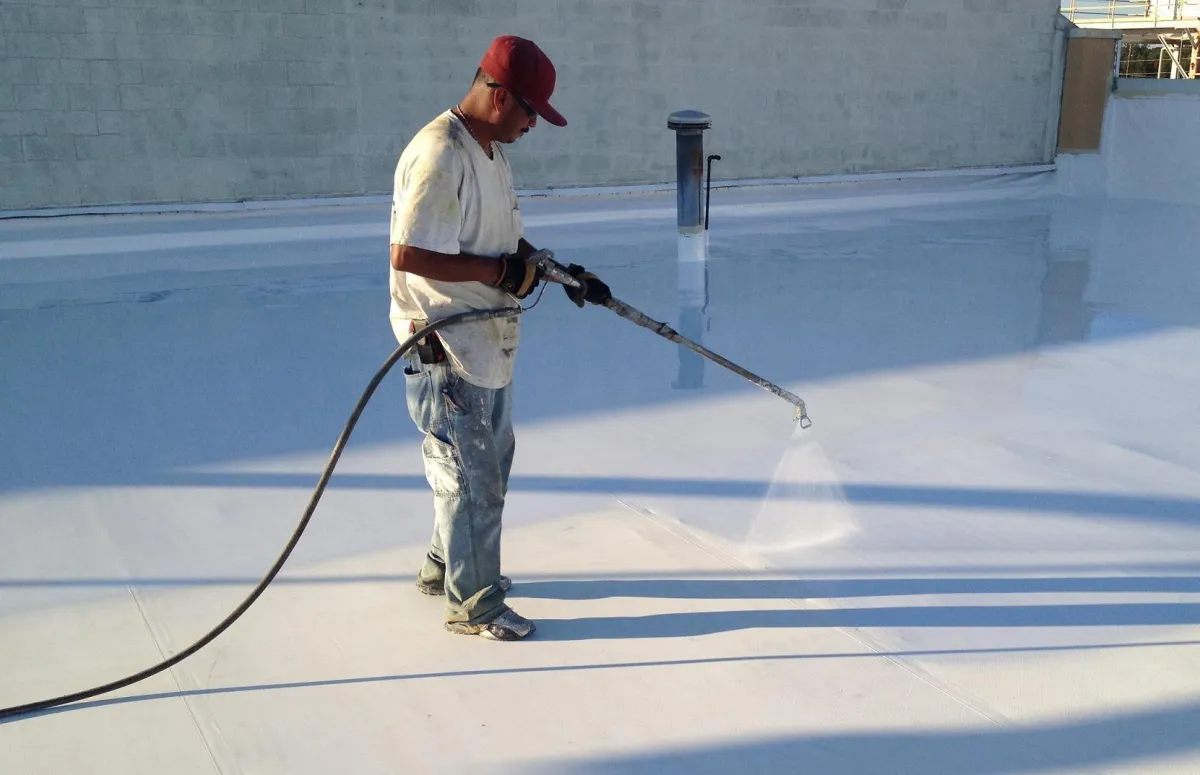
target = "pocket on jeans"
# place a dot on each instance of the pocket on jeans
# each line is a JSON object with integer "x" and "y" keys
{"x": 456, "y": 403}
{"x": 416, "y": 387}
{"x": 442, "y": 468}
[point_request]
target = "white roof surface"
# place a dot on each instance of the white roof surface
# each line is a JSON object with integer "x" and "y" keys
{"x": 983, "y": 558}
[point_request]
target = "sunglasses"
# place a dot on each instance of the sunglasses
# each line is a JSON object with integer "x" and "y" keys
{"x": 524, "y": 105}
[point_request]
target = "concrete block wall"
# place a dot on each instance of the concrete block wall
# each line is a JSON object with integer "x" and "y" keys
{"x": 127, "y": 101}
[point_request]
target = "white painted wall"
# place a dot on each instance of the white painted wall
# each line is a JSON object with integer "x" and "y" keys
{"x": 1149, "y": 147}
{"x": 121, "y": 101}
{"x": 1146, "y": 147}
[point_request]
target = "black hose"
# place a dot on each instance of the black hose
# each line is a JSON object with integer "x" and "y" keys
{"x": 462, "y": 317}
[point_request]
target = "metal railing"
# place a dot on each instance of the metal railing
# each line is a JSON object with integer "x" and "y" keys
{"x": 1099, "y": 13}
{"x": 1159, "y": 36}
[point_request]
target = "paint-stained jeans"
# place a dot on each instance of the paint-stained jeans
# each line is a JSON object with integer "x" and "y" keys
{"x": 468, "y": 453}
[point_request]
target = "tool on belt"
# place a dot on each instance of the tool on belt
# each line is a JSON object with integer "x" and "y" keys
{"x": 429, "y": 347}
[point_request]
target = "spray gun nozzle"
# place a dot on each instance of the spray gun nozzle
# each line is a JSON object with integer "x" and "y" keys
{"x": 801, "y": 415}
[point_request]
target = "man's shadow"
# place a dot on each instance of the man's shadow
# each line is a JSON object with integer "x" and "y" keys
{"x": 693, "y": 623}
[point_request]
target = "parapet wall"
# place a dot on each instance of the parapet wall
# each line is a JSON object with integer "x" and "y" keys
{"x": 137, "y": 101}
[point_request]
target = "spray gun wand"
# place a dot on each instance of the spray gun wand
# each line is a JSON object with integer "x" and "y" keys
{"x": 558, "y": 273}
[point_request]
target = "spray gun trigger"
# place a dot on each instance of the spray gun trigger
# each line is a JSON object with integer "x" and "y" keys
{"x": 544, "y": 258}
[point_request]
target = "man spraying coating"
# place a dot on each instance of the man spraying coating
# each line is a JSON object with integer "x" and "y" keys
{"x": 457, "y": 244}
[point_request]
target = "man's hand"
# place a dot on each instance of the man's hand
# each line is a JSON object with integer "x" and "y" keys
{"x": 518, "y": 276}
{"x": 594, "y": 291}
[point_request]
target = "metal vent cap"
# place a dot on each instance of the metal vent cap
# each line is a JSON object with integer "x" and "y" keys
{"x": 689, "y": 119}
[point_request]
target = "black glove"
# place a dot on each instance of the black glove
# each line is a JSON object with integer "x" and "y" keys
{"x": 520, "y": 277}
{"x": 593, "y": 291}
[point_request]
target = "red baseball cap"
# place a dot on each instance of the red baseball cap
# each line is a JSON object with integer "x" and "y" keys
{"x": 521, "y": 67}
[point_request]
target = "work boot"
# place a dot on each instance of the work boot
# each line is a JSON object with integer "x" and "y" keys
{"x": 509, "y": 625}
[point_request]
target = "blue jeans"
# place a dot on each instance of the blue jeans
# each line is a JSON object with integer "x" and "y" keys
{"x": 468, "y": 453}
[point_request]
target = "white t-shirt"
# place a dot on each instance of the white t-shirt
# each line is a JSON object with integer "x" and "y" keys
{"x": 449, "y": 197}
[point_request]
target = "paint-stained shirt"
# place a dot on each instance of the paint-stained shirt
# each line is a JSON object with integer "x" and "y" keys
{"x": 449, "y": 197}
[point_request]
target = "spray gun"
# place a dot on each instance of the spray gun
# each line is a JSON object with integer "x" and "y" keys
{"x": 544, "y": 259}
{"x": 558, "y": 273}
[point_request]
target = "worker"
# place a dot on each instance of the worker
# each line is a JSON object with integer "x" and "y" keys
{"x": 457, "y": 244}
